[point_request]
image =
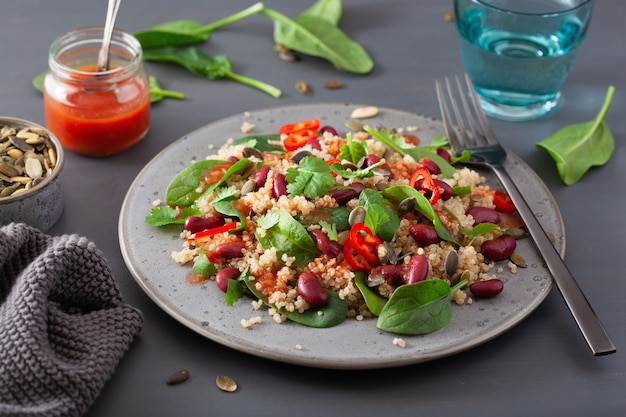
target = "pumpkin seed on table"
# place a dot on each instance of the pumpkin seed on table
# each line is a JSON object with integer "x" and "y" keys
{"x": 303, "y": 88}
{"x": 226, "y": 383}
{"x": 364, "y": 112}
{"x": 333, "y": 84}
{"x": 177, "y": 377}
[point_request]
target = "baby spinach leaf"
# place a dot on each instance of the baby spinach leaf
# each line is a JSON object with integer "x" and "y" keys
{"x": 478, "y": 230}
{"x": 338, "y": 169}
{"x": 331, "y": 314}
{"x": 223, "y": 205}
{"x": 375, "y": 302}
{"x": 264, "y": 143}
{"x": 204, "y": 65}
{"x": 353, "y": 150}
{"x": 316, "y": 36}
{"x": 419, "y": 308}
{"x": 312, "y": 178}
{"x": 329, "y": 10}
{"x": 288, "y": 236}
{"x": 577, "y": 148}
{"x": 401, "y": 192}
{"x": 379, "y": 217}
{"x": 158, "y": 94}
{"x": 393, "y": 141}
{"x": 187, "y": 32}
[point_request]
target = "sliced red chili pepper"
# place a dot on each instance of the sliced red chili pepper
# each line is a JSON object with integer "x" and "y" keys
{"x": 310, "y": 124}
{"x": 331, "y": 162}
{"x": 360, "y": 248}
{"x": 503, "y": 202}
{"x": 423, "y": 182}
{"x": 296, "y": 140}
{"x": 214, "y": 231}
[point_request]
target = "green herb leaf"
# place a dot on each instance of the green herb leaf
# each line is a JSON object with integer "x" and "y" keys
{"x": 264, "y": 143}
{"x": 393, "y": 141}
{"x": 161, "y": 216}
{"x": 158, "y": 94}
{"x": 400, "y": 192}
{"x": 379, "y": 217}
{"x": 38, "y": 81}
{"x": 331, "y": 314}
{"x": 234, "y": 291}
{"x": 223, "y": 204}
{"x": 479, "y": 230}
{"x": 313, "y": 178}
{"x": 338, "y": 169}
{"x": 374, "y": 301}
{"x": 353, "y": 150}
{"x": 204, "y": 65}
{"x": 288, "y": 236}
{"x": 316, "y": 36}
{"x": 329, "y": 10}
{"x": 330, "y": 229}
{"x": 202, "y": 266}
{"x": 577, "y": 148}
{"x": 419, "y": 308}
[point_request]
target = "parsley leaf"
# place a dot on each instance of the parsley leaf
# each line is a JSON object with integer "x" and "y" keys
{"x": 202, "y": 266}
{"x": 313, "y": 178}
{"x": 330, "y": 229}
{"x": 165, "y": 215}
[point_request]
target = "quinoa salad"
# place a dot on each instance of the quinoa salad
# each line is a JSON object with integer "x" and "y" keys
{"x": 319, "y": 227}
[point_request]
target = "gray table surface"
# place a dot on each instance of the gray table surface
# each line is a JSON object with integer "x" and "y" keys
{"x": 542, "y": 367}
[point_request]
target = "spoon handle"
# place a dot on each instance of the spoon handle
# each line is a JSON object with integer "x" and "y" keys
{"x": 103, "y": 55}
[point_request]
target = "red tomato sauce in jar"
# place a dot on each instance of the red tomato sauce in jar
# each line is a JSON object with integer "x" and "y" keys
{"x": 99, "y": 123}
{"x": 91, "y": 112}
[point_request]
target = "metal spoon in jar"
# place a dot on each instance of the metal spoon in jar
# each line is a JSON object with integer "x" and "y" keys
{"x": 109, "y": 24}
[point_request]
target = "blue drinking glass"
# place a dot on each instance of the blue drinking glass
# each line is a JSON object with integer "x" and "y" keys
{"x": 518, "y": 53}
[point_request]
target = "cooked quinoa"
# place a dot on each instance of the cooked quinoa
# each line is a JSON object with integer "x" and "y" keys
{"x": 274, "y": 276}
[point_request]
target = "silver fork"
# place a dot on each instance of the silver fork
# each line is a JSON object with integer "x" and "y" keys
{"x": 487, "y": 151}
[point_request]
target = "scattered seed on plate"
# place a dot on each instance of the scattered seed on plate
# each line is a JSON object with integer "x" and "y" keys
{"x": 518, "y": 260}
{"x": 303, "y": 88}
{"x": 177, "y": 377}
{"x": 333, "y": 84}
{"x": 226, "y": 383}
{"x": 449, "y": 16}
{"x": 364, "y": 112}
{"x": 356, "y": 126}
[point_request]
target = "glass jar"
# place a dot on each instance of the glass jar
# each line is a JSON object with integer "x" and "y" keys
{"x": 90, "y": 112}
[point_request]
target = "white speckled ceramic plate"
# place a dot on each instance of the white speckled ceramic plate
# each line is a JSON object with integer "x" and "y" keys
{"x": 353, "y": 344}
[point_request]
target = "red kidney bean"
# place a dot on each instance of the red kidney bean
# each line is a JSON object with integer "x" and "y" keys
{"x": 315, "y": 144}
{"x": 280, "y": 185}
{"x": 393, "y": 273}
{"x": 371, "y": 159}
{"x": 445, "y": 191}
{"x": 430, "y": 165}
{"x": 232, "y": 158}
{"x": 197, "y": 224}
{"x": 483, "y": 215}
{"x": 445, "y": 154}
{"x": 328, "y": 129}
{"x": 223, "y": 275}
{"x": 324, "y": 244}
{"x": 487, "y": 289}
{"x": 229, "y": 250}
{"x": 260, "y": 176}
{"x": 343, "y": 195}
{"x": 417, "y": 269}
{"x": 424, "y": 234}
{"x": 500, "y": 248}
{"x": 310, "y": 289}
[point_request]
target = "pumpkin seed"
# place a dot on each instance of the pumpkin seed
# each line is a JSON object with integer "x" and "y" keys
{"x": 451, "y": 263}
{"x": 226, "y": 383}
{"x": 519, "y": 260}
{"x": 177, "y": 377}
{"x": 364, "y": 112}
{"x": 356, "y": 126}
{"x": 333, "y": 84}
{"x": 357, "y": 215}
{"x": 303, "y": 88}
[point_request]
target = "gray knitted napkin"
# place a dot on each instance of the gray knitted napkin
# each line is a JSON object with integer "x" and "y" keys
{"x": 63, "y": 323}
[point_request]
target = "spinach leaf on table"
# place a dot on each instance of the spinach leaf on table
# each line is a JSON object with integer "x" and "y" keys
{"x": 316, "y": 36}
{"x": 187, "y": 32}
{"x": 329, "y": 10}
{"x": 199, "y": 63}
{"x": 577, "y": 148}
{"x": 419, "y": 308}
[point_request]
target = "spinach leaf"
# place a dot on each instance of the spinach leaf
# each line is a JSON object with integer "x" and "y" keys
{"x": 338, "y": 169}
{"x": 329, "y": 10}
{"x": 158, "y": 94}
{"x": 264, "y": 143}
{"x": 288, "y": 236}
{"x": 204, "y": 65}
{"x": 478, "y": 230}
{"x": 374, "y": 301}
{"x": 401, "y": 192}
{"x": 577, "y": 148}
{"x": 331, "y": 314}
{"x": 392, "y": 141}
{"x": 186, "y": 187}
{"x": 187, "y": 32}
{"x": 419, "y": 308}
{"x": 353, "y": 150}
{"x": 316, "y": 36}
{"x": 223, "y": 204}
